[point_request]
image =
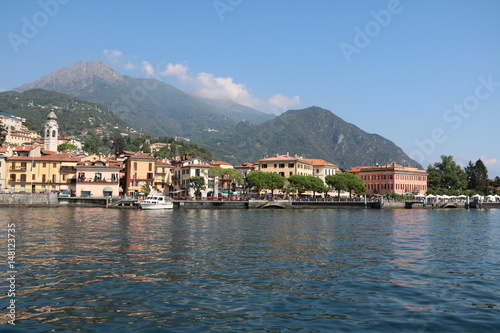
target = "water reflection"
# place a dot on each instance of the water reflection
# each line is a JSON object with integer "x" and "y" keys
{"x": 101, "y": 270}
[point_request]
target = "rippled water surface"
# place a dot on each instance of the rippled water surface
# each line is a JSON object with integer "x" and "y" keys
{"x": 104, "y": 270}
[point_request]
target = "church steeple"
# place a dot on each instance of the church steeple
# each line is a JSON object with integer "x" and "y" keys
{"x": 51, "y": 132}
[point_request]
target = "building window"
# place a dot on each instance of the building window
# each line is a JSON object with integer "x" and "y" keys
{"x": 282, "y": 165}
{"x": 275, "y": 165}
{"x": 264, "y": 166}
{"x": 44, "y": 165}
{"x": 33, "y": 177}
{"x": 54, "y": 165}
{"x": 97, "y": 176}
{"x": 150, "y": 175}
{"x": 291, "y": 173}
{"x": 13, "y": 177}
{"x": 53, "y": 133}
{"x": 282, "y": 174}
{"x": 197, "y": 172}
{"x": 150, "y": 167}
{"x": 291, "y": 165}
{"x": 53, "y": 178}
{"x": 23, "y": 178}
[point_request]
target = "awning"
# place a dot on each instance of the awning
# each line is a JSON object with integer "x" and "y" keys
{"x": 108, "y": 189}
{"x": 226, "y": 191}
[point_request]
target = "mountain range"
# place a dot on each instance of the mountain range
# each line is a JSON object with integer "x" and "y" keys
{"x": 233, "y": 132}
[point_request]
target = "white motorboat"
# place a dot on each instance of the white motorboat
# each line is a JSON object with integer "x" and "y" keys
{"x": 156, "y": 201}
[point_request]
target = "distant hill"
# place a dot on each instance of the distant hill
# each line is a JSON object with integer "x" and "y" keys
{"x": 314, "y": 133}
{"x": 239, "y": 112}
{"x": 146, "y": 104}
{"x": 74, "y": 115}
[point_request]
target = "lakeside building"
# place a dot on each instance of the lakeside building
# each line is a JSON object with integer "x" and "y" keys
{"x": 163, "y": 176}
{"x": 98, "y": 178}
{"x": 186, "y": 167}
{"x": 392, "y": 178}
{"x": 286, "y": 165}
{"x": 41, "y": 174}
{"x": 322, "y": 168}
{"x": 224, "y": 184}
{"x": 139, "y": 171}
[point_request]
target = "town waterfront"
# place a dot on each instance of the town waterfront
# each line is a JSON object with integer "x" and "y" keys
{"x": 366, "y": 270}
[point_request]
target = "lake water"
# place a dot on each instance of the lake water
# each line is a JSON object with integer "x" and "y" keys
{"x": 105, "y": 270}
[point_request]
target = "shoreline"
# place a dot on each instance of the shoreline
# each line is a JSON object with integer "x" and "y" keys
{"x": 52, "y": 200}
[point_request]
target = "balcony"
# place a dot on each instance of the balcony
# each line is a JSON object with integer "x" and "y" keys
{"x": 68, "y": 168}
{"x": 91, "y": 180}
{"x": 18, "y": 168}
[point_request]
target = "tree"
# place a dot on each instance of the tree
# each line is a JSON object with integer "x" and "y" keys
{"x": 3, "y": 134}
{"x": 164, "y": 152}
{"x": 257, "y": 180}
{"x": 353, "y": 183}
{"x": 298, "y": 182}
{"x": 146, "y": 148}
{"x": 90, "y": 146}
{"x": 66, "y": 146}
{"x": 307, "y": 183}
{"x": 265, "y": 180}
{"x": 119, "y": 144}
{"x": 337, "y": 182}
{"x": 446, "y": 177}
{"x": 276, "y": 182}
{"x": 477, "y": 177}
{"x": 197, "y": 183}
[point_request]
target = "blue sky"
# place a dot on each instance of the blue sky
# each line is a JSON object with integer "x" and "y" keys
{"x": 424, "y": 74}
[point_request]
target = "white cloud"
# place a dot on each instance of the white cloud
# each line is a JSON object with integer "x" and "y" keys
{"x": 283, "y": 103}
{"x": 130, "y": 66}
{"x": 147, "y": 68}
{"x": 206, "y": 85}
{"x": 113, "y": 56}
{"x": 211, "y": 87}
{"x": 178, "y": 70}
{"x": 2, "y": 89}
{"x": 491, "y": 163}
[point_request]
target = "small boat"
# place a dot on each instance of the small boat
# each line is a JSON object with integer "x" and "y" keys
{"x": 156, "y": 201}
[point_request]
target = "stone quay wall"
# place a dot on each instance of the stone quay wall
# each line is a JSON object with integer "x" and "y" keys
{"x": 28, "y": 199}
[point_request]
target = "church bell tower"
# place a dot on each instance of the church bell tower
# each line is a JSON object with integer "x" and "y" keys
{"x": 51, "y": 132}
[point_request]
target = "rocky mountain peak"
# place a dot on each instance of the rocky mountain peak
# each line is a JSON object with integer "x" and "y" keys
{"x": 75, "y": 77}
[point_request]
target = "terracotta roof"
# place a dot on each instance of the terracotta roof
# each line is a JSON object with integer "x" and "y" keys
{"x": 319, "y": 162}
{"x": 281, "y": 158}
{"x": 220, "y": 163}
{"x": 160, "y": 162}
{"x": 386, "y": 167}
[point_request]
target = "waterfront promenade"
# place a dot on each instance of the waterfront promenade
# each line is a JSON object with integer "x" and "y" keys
{"x": 51, "y": 200}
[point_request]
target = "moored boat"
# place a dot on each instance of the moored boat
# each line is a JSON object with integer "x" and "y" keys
{"x": 156, "y": 201}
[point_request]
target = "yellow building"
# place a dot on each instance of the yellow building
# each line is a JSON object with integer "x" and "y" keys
{"x": 322, "y": 168}
{"x": 41, "y": 174}
{"x": 286, "y": 165}
{"x": 163, "y": 176}
{"x": 139, "y": 171}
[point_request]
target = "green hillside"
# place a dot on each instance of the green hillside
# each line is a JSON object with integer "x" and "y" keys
{"x": 313, "y": 133}
{"x": 74, "y": 115}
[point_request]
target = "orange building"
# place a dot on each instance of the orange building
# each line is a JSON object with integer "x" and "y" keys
{"x": 139, "y": 171}
{"x": 392, "y": 178}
